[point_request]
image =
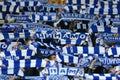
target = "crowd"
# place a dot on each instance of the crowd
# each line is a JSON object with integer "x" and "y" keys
{"x": 59, "y": 39}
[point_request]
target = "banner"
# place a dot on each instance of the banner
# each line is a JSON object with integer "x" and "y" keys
{"x": 7, "y": 46}
{"x": 116, "y": 22}
{"x": 106, "y": 29}
{"x": 36, "y": 17}
{"x": 73, "y": 41}
{"x": 109, "y": 61}
{"x": 113, "y": 11}
{"x": 57, "y": 77}
{"x": 81, "y": 50}
{"x": 110, "y": 37}
{"x": 67, "y": 59}
{"x": 34, "y": 78}
{"x": 27, "y": 63}
{"x": 114, "y": 51}
{"x": 20, "y": 18}
{"x": 75, "y": 15}
{"x": 41, "y": 13}
{"x": 11, "y": 8}
{"x": 23, "y": 3}
{"x": 18, "y": 53}
{"x": 47, "y": 52}
{"x": 78, "y": 2}
{"x": 47, "y": 45}
{"x": 63, "y": 71}
{"x": 100, "y": 77}
{"x": 110, "y": 4}
{"x": 35, "y": 25}
{"x": 73, "y": 7}
{"x": 59, "y": 35}
{"x": 15, "y": 35}
{"x": 7, "y": 28}
{"x": 3, "y": 15}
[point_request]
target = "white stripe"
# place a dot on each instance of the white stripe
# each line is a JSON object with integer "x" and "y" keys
{"x": 22, "y": 35}
{"x": 118, "y": 50}
{"x": 102, "y": 78}
{"x": 45, "y": 18}
{"x": 20, "y": 73}
{"x": 43, "y": 64}
{"x": 11, "y": 8}
{"x": 1, "y": 17}
{"x": 33, "y": 63}
{"x": 80, "y": 50}
{"x": 75, "y": 1}
{"x": 66, "y": 59}
{"x": 13, "y": 3}
{"x": 83, "y": 2}
{"x": 115, "y": 11}
{"x": 100, "y": 28}
{"x": 75, "y": 60}
{"x": 66, "y": 8}
{"x": 109, "y": 51}
{"x": 63, "y": 41}
{"x": 2, "y": 3}
{"x": 74, "y": 7}
{"x": 22, "y": 63}
{"x": 91, "y": 50}
{"x": 22, "y": 3}
{"x": 114, "y": 30}
{"x": 96, "y": 10}
{"x": 73, "y": 41}
{"x": 64, "y": 49}
{"x": 13, "y": 53}
{"x": 53, "y": 17}
{"x": 105, "y": 11}
{"x": 10, "y": 71}
{"x": 11, "y": 64}
{"x": 4, "y": 8}
{"x": 101, "y": 50}
{"x": 58, "y": 59}
{"x": 11, "y": 35}
{"x": 91, "y": 2}
{"x": 2, "y": 54}
{"x": 31, "y": 3}
{"x": 18, "y": 10}
{"x": 24, "y": 52}
{"x": 0, "y": 71}
{"x": 114, "y": 6}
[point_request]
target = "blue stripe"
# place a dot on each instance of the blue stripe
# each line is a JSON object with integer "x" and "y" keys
{"x": 6, "y": 36}
{"x": 15, "y": 8}
{"x": 0, "y": 8}
{"x": 78, "y": 2}
{"x": 26, "y": 3}
{"x": 87, "y": 1}
{"x": 18, "y": 3}
{"x": 8, "y": 8}
{"x": 110, "y": 11}
{"x": 7, "y": 53}
{"x": 101, "y": 11}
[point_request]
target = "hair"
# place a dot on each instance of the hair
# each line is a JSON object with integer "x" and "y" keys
{"x": 51, "y": 55}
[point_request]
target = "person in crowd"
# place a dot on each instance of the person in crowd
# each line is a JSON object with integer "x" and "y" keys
{"x": 73, "y": 26}
{"x": 99, "y": 41}
{"x": 57, "y": 2}
{"x": 85, "y": 44}
{"x": 52, "y": 61}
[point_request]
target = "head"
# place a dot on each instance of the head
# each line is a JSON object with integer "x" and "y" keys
{"x": 28, "y": 40}
{"x": 75, "y": 22}
{"x": 85, "y": 43}
{"x": 52, "y": 57}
